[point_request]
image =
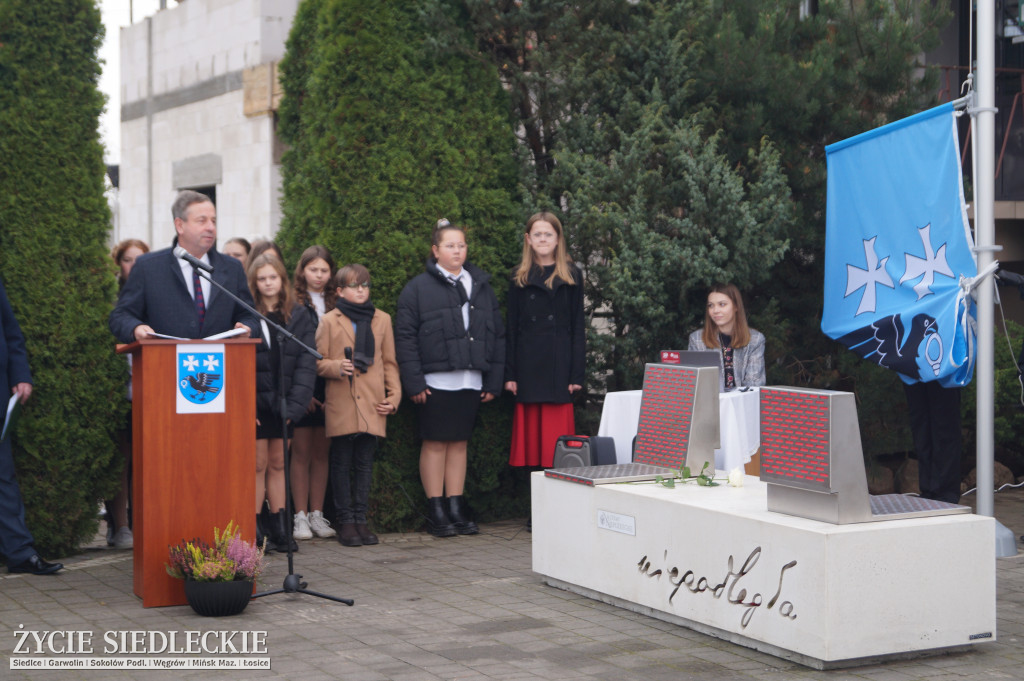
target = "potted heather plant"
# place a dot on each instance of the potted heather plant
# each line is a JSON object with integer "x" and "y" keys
{"x": 218, "y": 578}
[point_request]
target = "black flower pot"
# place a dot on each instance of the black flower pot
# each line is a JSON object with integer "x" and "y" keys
{"x": 218, "y": 599}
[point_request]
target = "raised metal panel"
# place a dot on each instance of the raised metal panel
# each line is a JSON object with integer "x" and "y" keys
{"x": 795, "y": 439}
{"x": 679, "y": 417}
{"x": 812, "y": 460}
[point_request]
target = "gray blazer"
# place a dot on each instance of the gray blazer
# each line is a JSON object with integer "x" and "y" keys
{"x": 747, "y": 362}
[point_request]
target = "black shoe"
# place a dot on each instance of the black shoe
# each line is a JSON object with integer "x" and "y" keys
{"x": 281, "y": 522}
{"x": 529, "y": 524}
{"x": 366, "y": 535}
{"x": 36, "y": 566}
{"x": 458, "y": 512}
{"x": 263, "y": 536}
{"x": 348, "y": 535}
{"x": 438, "y": 523}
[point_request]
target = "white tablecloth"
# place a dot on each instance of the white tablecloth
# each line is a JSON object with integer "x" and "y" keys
{"x": 739, "y": 419}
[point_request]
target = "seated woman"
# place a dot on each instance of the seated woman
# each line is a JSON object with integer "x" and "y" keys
{"x": 725, "y": 328}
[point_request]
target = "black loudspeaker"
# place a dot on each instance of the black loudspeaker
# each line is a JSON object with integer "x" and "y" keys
{"x": 577, "y": 451}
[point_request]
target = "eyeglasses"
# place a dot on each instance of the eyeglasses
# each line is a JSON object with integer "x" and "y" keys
{"x": 365, "y": 285}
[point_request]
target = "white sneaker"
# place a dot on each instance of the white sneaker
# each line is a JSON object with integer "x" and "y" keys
{"x": 320, "y": 525}
{"x": 301, "y": 529}
{"x": 123, "y": 538}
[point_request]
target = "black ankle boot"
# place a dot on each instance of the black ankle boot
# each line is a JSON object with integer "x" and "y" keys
{"x": 261, "y": 536}
{"x": 458, "y": 512}
{"x": 279, "y": 531}
{"x": 438, "y": 523}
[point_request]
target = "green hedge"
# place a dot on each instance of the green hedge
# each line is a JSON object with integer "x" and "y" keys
{"x": 1008, "y": 417}
{"x": 54, "y": 221}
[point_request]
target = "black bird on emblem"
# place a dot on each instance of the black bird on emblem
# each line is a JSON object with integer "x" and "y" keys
{"x": 888, "y": 343}
{"x": 202, "y": 383}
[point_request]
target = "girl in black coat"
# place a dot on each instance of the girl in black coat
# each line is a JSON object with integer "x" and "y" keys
{"x": 268, "y": 282}
{"x": 545, "y": 354}
{"x": 450, "y": 346}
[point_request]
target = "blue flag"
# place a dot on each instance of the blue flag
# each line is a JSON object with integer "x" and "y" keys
{"x": 897, "y": 248}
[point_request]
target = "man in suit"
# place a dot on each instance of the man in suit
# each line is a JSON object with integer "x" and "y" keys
{"x": 161, "y": 295}
{"x": 15, "y": 539}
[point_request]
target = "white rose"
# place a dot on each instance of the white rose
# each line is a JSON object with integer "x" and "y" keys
{"x": 736, "y": 476}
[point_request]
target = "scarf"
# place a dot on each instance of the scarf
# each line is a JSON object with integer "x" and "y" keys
{"x": 362, "y": 355}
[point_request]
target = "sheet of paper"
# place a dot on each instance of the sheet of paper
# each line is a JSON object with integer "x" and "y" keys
{"x": 228, "y": 334}
{"x": 10, "y": 417}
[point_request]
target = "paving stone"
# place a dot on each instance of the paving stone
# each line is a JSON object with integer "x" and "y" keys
{"x": 469, "y": 608}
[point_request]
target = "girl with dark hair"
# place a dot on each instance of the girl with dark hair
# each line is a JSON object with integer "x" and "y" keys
{"x": 363, "y": 389}
{"x": 268, "y": 282}
{"x": 725, "y": 329}
{"x": 546, "y": 347}
{"x": 309, "y": 464}
{"x": 450, "y": 344}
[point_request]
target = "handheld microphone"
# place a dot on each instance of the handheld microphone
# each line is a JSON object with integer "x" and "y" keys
{"x": 348, "y": 356}
{"x": 182, "y": 254}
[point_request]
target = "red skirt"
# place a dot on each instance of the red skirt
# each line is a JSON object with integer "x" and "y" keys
{"x": 535, "y": 430}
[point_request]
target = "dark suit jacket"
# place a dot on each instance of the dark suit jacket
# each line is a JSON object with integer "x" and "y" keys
{"x": 156, "y": 294}
{"x": 13, "y": 357}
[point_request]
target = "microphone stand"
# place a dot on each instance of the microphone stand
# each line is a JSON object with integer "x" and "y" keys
{"x": 292, "y": 582}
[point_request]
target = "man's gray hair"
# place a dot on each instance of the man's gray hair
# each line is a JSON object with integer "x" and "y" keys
{"x": 185, "y": 199}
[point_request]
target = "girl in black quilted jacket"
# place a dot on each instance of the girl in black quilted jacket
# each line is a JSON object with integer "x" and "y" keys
{"x": 450, "y": 345}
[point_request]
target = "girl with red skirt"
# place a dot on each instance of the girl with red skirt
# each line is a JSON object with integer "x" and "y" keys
{"x": 545, "y": 342}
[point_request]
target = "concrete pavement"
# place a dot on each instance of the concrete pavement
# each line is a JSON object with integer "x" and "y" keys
{"x": 460, "y": 608}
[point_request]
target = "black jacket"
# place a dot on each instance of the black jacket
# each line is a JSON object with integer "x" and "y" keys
{"x": 430, "y": 335}
{"x": 299, "y": 367}
{"x": 546, "y": 338}
{"x": 13, "y": 356}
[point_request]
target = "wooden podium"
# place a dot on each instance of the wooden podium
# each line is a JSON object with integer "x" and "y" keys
{"x": 191, "y": 472}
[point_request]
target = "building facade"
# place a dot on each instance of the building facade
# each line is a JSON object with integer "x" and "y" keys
{"x": 199, "y": 97}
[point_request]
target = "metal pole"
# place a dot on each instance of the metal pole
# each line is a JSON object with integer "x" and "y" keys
{"x": 984, "y": 193}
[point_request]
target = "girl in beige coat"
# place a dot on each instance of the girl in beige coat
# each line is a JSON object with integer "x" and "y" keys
{"x": 363, "y": 389}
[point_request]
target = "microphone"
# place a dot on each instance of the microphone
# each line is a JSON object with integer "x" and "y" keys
{"x": 348, "y": 356}
{"x": 182, "y": 254}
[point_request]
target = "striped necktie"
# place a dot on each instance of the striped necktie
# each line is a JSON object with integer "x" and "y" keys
{"x": 197, "y": 286}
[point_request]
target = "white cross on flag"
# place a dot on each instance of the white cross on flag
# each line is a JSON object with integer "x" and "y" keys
{"x": 897, "y": 246}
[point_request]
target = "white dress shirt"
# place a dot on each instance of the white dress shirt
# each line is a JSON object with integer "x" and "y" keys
{"x": 460, "y": 379}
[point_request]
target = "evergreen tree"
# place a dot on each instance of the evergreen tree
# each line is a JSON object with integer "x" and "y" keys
{"x": 386, "y": 138}
{"x": 387, "y": 135}
{"x": 54, "y": 220}
{"x": 806, "y": 83}
{"x": 740, "y": 72}
{"x": 658, "y": 212}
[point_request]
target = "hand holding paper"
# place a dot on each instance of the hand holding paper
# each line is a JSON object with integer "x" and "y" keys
{"x": 23, "y": 391}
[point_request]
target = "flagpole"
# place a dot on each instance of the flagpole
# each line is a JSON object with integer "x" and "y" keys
{"x": 984, "y": 223}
